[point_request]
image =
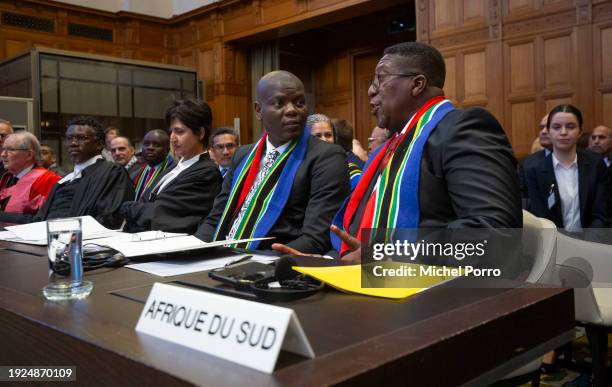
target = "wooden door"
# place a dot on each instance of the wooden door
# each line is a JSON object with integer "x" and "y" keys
{"x": 363, "y": 66}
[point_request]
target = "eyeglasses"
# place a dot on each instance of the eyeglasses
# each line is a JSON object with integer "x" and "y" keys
{"x": 77, "y": 137}
{"x": 3, "y": 136}
{"x": 13, "y": 150}
{"x": 221, "y": 147}
{"x": 372, "y": 139}
{"x": 378, "y": 78}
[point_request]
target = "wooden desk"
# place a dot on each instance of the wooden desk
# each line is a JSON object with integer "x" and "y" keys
{"x": 441, "y": 337}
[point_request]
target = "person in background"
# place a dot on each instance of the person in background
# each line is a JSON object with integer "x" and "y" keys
{"x": 49, "y": 161}
{"x": 6, "y": 128}
{"x": 569, "y": 186}
{"x": 123, "y": 154}
{"x": 95, "y": 187}
{"x": 223, "y": 144}
{"x": 183, "y": 196}
{"x": 377, "y": 138}
{"x": 359, "y": 151}
{"x": 601, "y": 143}
{"x": 321, "y": 127}
{"x": 109, "y": 134}
{"x": 24, "y": 187}
{"x": 156, "y": 153}
{"x": 344, "y": 137}
{"x": 343, "y": 131}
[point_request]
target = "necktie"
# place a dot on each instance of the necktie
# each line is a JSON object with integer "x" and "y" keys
{"x": 223, "y": 171}
{"x": 268, "y": 162}
{"x": 12, "y": 181}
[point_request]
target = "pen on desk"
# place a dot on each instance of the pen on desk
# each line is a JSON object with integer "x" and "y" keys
{"x": 239, "y": 260}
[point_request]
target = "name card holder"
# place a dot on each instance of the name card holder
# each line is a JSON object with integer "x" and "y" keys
{"x": 244, "y": 332}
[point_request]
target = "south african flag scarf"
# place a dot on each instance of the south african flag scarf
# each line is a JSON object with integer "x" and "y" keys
{"x": 395, "y": 169}
{"x": 271, "y": 195}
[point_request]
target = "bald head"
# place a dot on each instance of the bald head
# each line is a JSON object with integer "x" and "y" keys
{"x": 281, "y": 106}
{"x": 275, "y": 79}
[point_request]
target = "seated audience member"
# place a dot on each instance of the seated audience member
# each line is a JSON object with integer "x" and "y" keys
{"x": 6, "y": 128}
{"x": 123, "y": 154}
{"x": 378, "y": 137}
{"x": 156, "y": 152}
{"x": 601, "y": 143}
{"x": 49, "y": 161}
{"x": 569, "y": 186}
{"x": 109, "y": 134}
{"x": 321, "y": 127}
{"x": 223, "y": 145}
{"x": 95, "y": 187}
{"x": 344, "y": 137}
{"x": 359, "y": 151}
{"x": 287, "y": 185}
{"x": 183, "y": 196}
{"x": 24, "y": 187}
{"x": 467, "y": 171}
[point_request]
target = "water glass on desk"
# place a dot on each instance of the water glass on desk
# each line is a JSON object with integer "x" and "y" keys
{"x": 65, "y": 252}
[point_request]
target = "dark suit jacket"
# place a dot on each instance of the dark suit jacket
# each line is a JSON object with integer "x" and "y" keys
{"x": 134, "y": 170}
{"x": 468, "y": 174}
{"x": 147, "y": 192}
{"x": 320, "y": 186}
{"x": 99, "y": 193}
{"x": 593, "y": 190}
{"x": 181, "y": 205}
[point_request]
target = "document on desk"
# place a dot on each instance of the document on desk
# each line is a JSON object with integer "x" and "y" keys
{"x": 172, "y": 267}
{"x": 36, "y": 233}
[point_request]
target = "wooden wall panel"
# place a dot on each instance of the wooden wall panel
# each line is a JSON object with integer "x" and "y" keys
{"x": 522, "y": 68}
{"x": 605, "y": 53}
{"x": 445, "y": 14}
{"x": 450, "y": 85}
{"x": 552, "y": 102}
{"x": 14, "y": 47}
{"x": 524, "y": 131}
{"x": 558, "y": 58}
{"x": 607, "y": 109}
{"x": 474, "y": 11}
{"x": 475, "y": 71}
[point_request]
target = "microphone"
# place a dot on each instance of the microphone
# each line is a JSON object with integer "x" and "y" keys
{"x": 283, "y": 269}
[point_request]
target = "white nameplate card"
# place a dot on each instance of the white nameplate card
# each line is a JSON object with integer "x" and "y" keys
{"x": 244, "y": 332}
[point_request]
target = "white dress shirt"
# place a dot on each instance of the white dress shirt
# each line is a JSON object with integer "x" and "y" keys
{"x": 567, "y": 181}
{"x": 78, "y": 169}
{"x": 180, "y": 167}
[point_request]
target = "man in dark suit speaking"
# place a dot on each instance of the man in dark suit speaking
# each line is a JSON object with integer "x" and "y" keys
{"x": 288, "y": 184}
{"x": 440, "y": 168}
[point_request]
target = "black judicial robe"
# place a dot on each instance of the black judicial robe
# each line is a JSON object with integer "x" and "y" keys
{"x": 98, "y": 193}
{"x": 181, "y": 205}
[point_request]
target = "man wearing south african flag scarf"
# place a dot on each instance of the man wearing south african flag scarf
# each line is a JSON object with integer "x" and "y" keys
{"x": 287, "y": 185}
{"x": 441, "y": 167}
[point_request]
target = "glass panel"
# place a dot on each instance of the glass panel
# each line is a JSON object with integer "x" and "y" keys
{"x": 15, "y": 78}
{"x": 48, "y": 67}
{"x": 152, "y": 103}
{"x": 154, "y": 78}
{"x": 77, "y": 97}
{"x": 49, "y": 94}
{"x": 125, "y": 75}
{"x": 89, "y": 71}
{"x": 125, "y": 101}
{"x": 189, "y": 82}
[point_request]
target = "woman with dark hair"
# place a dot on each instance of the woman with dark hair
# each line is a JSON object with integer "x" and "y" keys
{"x": 569, "y": 187}
{"x": 185, "y": 195}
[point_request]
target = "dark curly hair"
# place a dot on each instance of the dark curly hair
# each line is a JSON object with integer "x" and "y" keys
{"x": 92, "y": 123}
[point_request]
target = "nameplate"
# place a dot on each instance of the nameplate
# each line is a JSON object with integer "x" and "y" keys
{"x": 244, "y": 332}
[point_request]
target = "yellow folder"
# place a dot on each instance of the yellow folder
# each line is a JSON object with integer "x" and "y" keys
{"x": 348, "y": 278}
